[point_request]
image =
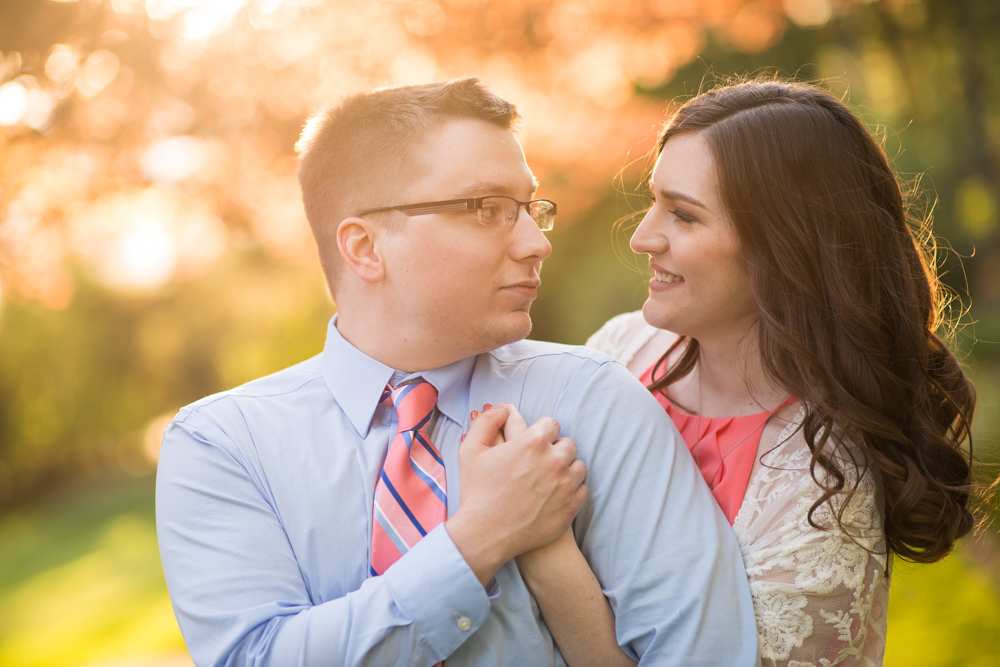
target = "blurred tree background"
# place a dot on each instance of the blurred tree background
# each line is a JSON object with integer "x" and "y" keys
{"x": 153, "y": 249}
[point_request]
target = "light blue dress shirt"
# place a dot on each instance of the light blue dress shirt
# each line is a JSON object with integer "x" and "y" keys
{"x": 264, "y": 514}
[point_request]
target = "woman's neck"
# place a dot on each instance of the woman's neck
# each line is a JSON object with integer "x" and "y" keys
{"x": 729, "y": 380}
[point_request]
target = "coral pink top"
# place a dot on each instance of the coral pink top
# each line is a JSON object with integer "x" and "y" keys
{"x": 726, "y": 448}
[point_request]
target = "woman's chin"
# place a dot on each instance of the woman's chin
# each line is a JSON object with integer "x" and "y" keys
{"x": 657, "y": 316}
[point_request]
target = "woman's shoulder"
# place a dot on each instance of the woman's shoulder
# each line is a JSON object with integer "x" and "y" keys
{"x": 785, "y": 479}
{"x": 624, "y": 336}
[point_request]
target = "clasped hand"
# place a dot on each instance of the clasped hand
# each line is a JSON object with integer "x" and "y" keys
{"x": 520, "y": 488}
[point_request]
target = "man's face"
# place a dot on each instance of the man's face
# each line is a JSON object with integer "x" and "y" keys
{"x": 454, "y": 282}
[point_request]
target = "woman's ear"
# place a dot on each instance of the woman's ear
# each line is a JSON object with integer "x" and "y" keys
{"x": 357, "y": 240}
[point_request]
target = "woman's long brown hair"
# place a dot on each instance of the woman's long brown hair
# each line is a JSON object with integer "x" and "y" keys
{"x": 848, "y": 303}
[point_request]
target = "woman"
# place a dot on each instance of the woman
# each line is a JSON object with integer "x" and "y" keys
{"x": 790, "y": 334}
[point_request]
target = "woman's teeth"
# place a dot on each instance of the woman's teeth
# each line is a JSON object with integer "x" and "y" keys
{"x": 667, "y": 277}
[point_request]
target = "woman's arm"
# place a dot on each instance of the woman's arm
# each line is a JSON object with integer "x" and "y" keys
{"x": 573, "y": 604}
{"x": 569, "y": 595}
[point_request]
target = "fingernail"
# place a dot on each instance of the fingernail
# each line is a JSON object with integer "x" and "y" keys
{"x": 487, "y": 406}
{"x": 474, "y": 414}
{"x": 463, "y": 437}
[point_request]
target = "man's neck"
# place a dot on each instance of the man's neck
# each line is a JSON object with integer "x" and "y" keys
{"x": 395, "y": 345}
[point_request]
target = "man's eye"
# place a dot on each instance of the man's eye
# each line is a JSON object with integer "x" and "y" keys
{"x": 491, "y": 214}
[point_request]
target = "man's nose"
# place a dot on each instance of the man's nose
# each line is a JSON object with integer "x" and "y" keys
{"x": 529, "y": 243}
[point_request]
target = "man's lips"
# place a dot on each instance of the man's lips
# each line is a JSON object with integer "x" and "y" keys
{"x": 526, "y": 288}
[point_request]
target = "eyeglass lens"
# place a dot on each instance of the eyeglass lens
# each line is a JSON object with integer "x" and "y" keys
{"x": 504, "y": 211}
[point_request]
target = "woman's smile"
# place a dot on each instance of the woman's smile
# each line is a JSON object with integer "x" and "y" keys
{"x": 663, "y": 280}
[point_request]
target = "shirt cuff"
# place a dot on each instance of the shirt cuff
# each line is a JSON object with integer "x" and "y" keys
{"x": 434, "y": 586}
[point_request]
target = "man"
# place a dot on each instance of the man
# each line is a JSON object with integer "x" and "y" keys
{"x": 326, "y": 515}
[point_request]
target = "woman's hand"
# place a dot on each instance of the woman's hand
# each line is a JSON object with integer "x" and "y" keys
{"x": 567, "y": 592}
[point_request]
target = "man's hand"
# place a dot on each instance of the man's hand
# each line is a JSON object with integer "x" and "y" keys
{"x": 515, "y": 495}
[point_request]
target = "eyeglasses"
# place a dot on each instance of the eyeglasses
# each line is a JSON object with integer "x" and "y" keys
{"x": 493, "y": 211}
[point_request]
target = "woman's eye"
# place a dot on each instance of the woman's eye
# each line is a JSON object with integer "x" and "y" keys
{"x": 683, "y": 215}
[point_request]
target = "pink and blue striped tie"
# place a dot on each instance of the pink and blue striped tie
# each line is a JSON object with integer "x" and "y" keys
{"x": 410, "y": 495}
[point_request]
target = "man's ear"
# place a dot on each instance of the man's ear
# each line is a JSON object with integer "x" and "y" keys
{"x": 358, "y": 242}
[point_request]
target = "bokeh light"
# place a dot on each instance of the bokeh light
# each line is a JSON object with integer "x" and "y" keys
{"x": 153, "y": 247}
{"x": 14, "y": 103}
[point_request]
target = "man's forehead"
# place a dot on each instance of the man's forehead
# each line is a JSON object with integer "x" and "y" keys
{"x": 471, "y": 158}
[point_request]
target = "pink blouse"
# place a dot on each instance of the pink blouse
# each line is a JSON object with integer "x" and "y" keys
{"x": 724, "y": 449}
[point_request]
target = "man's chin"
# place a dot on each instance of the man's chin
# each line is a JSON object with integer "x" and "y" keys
{"x": 494, "y": 335}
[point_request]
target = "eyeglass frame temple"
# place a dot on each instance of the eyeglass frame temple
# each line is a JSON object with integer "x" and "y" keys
{"x": 470, "y": 204}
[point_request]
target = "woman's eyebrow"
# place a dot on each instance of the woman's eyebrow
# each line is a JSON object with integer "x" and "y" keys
{"x": 671, "y": 194}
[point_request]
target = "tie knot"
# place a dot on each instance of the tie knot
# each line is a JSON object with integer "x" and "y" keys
{"x": 414, "y": 403}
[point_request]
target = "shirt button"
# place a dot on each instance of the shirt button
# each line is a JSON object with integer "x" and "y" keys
{"x": 464, "y": 623}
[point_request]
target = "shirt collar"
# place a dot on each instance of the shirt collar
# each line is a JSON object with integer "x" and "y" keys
{"x": 357, "y": 380}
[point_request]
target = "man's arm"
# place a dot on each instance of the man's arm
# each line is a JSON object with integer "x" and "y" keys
{"x": 238, "y": 591}
{"x": 666, "y": 557}
{"x": 241, "y": 598}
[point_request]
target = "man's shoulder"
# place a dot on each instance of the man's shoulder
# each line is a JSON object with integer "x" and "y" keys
{"x": 526, "y": 351}
{"x": 547, "y": 378}
{"x": 287, "y": 385}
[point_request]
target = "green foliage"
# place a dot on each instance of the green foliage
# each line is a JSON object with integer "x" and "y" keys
{"x": 588, "y": 279}
{"x": 79, "y": 387}
{"x": 946, "y": 614}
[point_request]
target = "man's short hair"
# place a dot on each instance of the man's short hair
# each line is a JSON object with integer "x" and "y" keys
{"x": 359, "y": 153}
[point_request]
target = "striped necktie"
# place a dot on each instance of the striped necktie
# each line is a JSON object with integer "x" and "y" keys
{"x": 410, "y": 495}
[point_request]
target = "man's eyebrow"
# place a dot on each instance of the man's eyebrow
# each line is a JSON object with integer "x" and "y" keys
{"x": 485, "y": 188}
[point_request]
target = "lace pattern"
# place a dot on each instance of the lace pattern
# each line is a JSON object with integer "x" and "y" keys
{"x": 820, "y": 596}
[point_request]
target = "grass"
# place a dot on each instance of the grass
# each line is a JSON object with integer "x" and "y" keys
{"x": 81, "y": 584}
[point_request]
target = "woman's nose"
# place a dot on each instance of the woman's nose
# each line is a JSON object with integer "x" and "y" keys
{"x": 646, "y": 239}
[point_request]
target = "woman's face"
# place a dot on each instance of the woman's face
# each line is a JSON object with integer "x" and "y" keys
{"x": 700, "y": 286}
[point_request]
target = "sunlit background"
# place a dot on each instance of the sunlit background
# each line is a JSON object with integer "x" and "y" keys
{"x": 153, "y": 249}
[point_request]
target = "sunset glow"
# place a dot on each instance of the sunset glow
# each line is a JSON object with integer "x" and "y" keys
{"x": 171, "y": 91}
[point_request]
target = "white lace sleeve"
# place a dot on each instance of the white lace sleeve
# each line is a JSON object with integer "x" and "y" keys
{"x": 622, "y": 336}
{"x": 820, "y": 597}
